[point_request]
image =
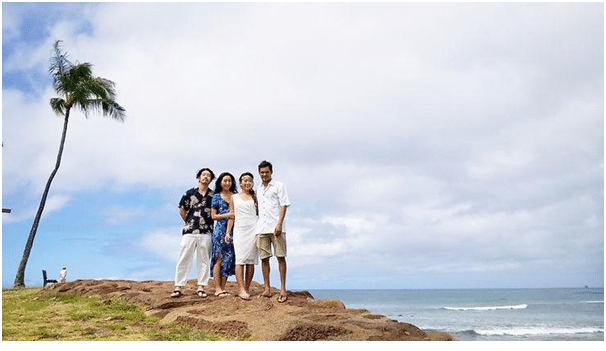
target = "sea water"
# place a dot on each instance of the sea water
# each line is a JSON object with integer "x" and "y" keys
{"x": 488, "y": 314}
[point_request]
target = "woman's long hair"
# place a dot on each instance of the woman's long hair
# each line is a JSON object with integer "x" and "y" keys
{"x": 219, "y": 188}
{"x": 252, "y": 191}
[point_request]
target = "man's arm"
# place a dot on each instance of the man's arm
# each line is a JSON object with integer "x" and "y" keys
{"x": 183, "y": 213}
{"x": 278, "y": 230}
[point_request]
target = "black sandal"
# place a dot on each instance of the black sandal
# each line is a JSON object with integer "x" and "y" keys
{"x": 202, "y": 294}
{"x": 176, "y": 293}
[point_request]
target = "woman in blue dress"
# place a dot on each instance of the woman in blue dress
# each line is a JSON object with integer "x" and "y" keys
{"x": 223, "y": 260}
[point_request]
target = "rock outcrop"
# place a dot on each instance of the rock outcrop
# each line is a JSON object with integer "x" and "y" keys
{"x": 300, "y": 318}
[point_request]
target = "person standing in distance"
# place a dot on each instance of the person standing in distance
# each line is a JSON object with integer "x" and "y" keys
{"x": 273, "y": 202}
{"x": 194, "y": 208}
{"x": 63, "y": 275}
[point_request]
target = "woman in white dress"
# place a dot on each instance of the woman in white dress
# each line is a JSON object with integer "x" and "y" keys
{"x": 246, "y": 214}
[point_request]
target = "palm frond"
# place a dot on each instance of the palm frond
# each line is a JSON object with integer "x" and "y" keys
{"x": 58, "y": 106}
{"x": 108, "y": 107}
{"x": 59, "y": 67}
{"x": 101, "y": 88}
{"x": 81, "y": 71}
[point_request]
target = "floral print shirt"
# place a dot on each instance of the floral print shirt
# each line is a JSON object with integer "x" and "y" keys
{"x": 197, "y": 220}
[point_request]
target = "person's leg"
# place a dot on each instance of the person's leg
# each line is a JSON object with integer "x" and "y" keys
{"x": 228, "y": 264}
{"x": 217, "y": 276}
{"x": 203, "y": 261}
{"x": 242, "y": 293}
{"x": 223, "y": 283}
{"x": 280, "y": 248}
{"x": 250, "y": 273}
{"x": 282, "y": 269}
{"x": 184, "y": 261}
{"x": 265, "y": 270}
{"x": 240, "y": 277}
{"x": 264, "y": 246}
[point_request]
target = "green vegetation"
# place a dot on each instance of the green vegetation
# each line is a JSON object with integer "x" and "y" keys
{"x": 31, "y": 314}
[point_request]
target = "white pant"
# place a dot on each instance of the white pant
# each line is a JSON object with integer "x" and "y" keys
{"x": 190, "y": 244}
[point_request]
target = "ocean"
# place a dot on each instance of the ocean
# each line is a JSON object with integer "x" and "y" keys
{"x": 488, "y": 314}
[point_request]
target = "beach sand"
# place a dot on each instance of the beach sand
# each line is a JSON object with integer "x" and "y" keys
{"x": 300, "y": 318}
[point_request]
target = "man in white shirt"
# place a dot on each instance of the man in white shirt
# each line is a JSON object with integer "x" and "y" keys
{"x": 273, "y": 202}
{"x": 63, "y": 275}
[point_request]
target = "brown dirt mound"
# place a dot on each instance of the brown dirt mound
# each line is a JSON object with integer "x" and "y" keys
{"x": 301, "y": 317}
{"x": 312, "y": 332}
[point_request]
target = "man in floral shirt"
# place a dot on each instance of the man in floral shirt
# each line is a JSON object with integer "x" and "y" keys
{"x": 194, "y": 208}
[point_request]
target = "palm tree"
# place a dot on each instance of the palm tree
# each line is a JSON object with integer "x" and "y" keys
{"x": 76, "y": 87}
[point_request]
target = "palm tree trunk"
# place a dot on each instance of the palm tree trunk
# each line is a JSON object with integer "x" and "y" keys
{"x": 19, "y": 279}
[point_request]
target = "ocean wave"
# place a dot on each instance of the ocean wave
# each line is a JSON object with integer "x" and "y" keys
{"x": 487, "y": 308}
{"x": 539, "y": 331}
{"x": 592, "y": 301}
{"x": 469, "y": 332}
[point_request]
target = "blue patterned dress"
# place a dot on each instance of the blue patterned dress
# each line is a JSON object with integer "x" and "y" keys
{"x": 228, "y": 257}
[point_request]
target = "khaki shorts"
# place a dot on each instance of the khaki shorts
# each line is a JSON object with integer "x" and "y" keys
{"x": 266, "y": 241}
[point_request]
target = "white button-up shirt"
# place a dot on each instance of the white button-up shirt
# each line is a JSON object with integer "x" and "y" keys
{"x": 271, "y": 199}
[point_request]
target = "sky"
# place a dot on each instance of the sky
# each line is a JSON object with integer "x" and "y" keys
{"x": 423, "y": 146}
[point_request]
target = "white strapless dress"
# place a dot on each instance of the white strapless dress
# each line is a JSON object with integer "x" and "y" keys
{"x": 244, "y": 236}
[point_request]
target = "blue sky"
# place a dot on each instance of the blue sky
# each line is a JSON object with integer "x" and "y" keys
{"x": 423, "y": 145}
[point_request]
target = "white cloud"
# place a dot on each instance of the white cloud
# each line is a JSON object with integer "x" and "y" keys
{"x": 315, "y": 83}
{"x": 329, "y": 237}
{"x": 54, "y": 203}
{"x": 162, "y": 242}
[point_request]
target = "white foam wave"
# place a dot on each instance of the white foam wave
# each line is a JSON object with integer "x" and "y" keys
{"x": 592, "y": 301}
{"x": 540, "y": 331}
{"x": 488, "y": 308}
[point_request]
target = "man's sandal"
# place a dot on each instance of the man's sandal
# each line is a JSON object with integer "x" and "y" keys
{"x": 202, "y": 294}
{"x": 176, "y": 293}
{"x": 282, "y": 298}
